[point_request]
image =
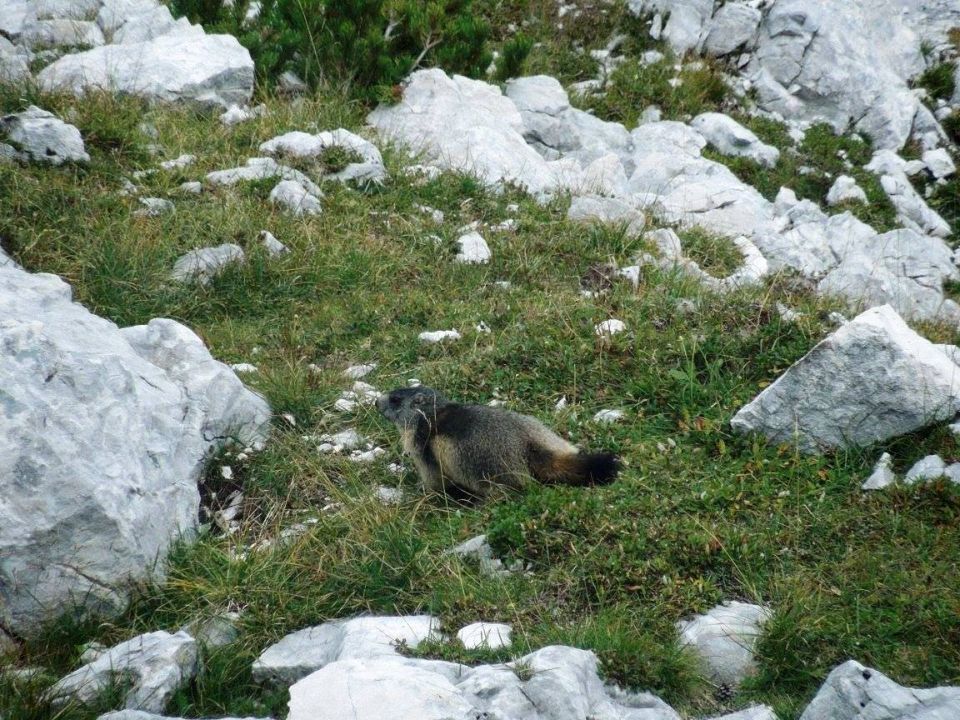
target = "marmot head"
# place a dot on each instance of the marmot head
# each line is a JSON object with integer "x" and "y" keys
{"x": 405, "y": 405}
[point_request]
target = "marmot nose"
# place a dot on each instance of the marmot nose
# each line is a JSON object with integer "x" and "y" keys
{"x": 382, "y": 402}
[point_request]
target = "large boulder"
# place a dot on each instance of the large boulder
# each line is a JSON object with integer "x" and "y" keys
{"x": 186, "y": 65}
{"x": 103, "y": 436}
{"x": 872, "y": 379}
{"x": 844, "y": 62}
{"x": 469, "y": 126}
{"x": 854, "y": 692}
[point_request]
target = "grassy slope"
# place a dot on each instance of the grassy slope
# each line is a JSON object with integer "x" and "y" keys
{"x": 699, "y": 516}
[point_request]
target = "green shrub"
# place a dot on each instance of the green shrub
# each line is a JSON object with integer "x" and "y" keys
{"x": 938, "y": 80}
{"x": 366, "y": 44}
{"x": 514, "y": 53}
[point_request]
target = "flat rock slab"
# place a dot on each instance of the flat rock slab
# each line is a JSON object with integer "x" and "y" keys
{"x": 872, "y": 379}
{"x": 724, "y": 639}
{"x": 157, "y": 664}
{"x": 40, "y": 136}
{"x": 186, "y": 66}
{"x": 855, "y": 692}
{"x": 308, "y": 650}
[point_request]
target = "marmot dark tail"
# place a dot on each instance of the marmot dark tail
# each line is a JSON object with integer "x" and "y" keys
{"x": 579, "y": 468}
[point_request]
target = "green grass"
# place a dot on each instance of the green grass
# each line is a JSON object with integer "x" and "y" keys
{"x": 699, "y": 516}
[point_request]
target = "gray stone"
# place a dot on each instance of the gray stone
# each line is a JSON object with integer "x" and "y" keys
{"x": 145, "y": 26}
{"x": 755, "y": 712}
{"x": 141, "y": 715}
{"x": 104, "y": 438}
{"x": 685, "y": 26}
{"x": 157, "y": 664}
{"x": 216, "y": 631}
{"x": 303, "y": 145}
{"x": 262, "y": 168}
{"x": 724, "y": 639}
{"x": 911, "y": 209}
{"x": 183, "y": 66}
{"x": 305, "y": 651}
{"x": 733, "y": 26}
{"x": 155, "y": 207}
{"x": 112, "y": 14}
{"x": 274, "y": 247}
{"x": 42, "y": 137}
{"x": 930, "y": 467}
{"x": 887, "y": 162}
{"x": 491, "y": 636}
{"x": 846, "y": 62}
{"x": 473, "y": 249}
{"x": 554, "y": 683}
{"x": 292, "y": 195}
{"x": 235, "y": 114}
{"x": 731, "y": 138}
{"x": 855, "y": 692}
{"x": 14, "y": 62}
{"x": 939, "y": 163}
{"x": 204, "y": 264}
{"x": 901, "y": 268}
{"x": 882, "y": 475}
{"x": 57, "y": 33}
{"x": 845, "y": 189}
{"x": 607, "y": 210}
{"x": 872, "y": 379}
{"x": 468, "y": 126}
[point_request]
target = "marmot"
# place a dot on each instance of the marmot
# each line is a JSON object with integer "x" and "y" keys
{"x": 472, "y": 449}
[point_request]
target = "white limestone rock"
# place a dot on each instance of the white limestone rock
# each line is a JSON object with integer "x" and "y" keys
{"x": 855, "y": 692}
{"x": 754, "y": 712}
{"x": 939, "y": 163}
{"x": 686, "y": 24}
{"x": 112, "y": 429}
{"x": 901, "y": 268}
{"x": 274, "y": 247}
{"x": 732, "y": 27}
{"x": 182, "y": 66}
{"x": 292, "y": 195}
{"x": 473, "y": 249}
{"x": 216, "y": 631}
{"x": 436, "y": 336}
{"x": 731, "y": 138}
{"x": 845, "y": 62}
{"x": 261, "y": 168}
{"x": 154, "y": 207}
{"x": 724, "y": 639}
{"x": 845, "y": 189}
{"x": 204, "y": 264}
{"x": 141, "y": 715}
{"x": 491, "y": 636}
{"x": 42, "y": 137}
{"x": 609, "y": 416}
{"x": 887, "y": 162}
{"x": 303, "y": 145}
{"x": 179, "y": 162}
{"x": 610, "y": 327}
{"x": 911, "y": 209}
{"x": 150, "y": 24}
{"x": 234, "y": 115}
{"x": 60, "y": 32}
{"x": 557, "y": 683}
{"x": 930, "y": 467}
{"x": 157, "y": 664}
{"x": 468, "y": 126}
{"x": 607, "y": 210}
{"x": 882, "y": 475}
{"x": 14, "y": 61}
{"x": 361, "y": 638}
{"x": 872, "y": 379}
